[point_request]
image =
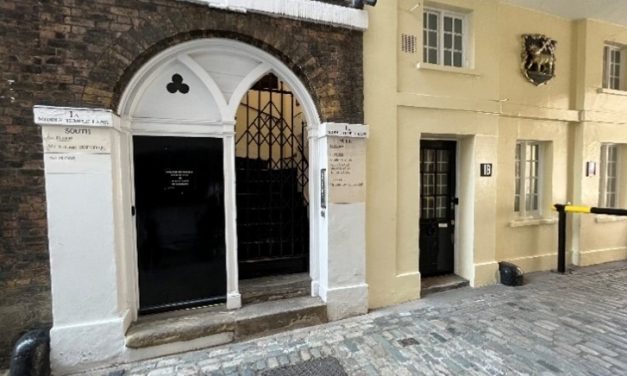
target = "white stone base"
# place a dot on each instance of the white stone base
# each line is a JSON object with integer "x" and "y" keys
{"x": 345, "y": 302}
{"x": 87, "y": 346}
{"x": 233, "y": 301}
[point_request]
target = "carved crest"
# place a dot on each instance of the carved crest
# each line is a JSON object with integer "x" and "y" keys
{"x": 538, "y": 58}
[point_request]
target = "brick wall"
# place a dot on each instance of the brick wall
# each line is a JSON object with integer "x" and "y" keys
{"x": 83, "y": 53}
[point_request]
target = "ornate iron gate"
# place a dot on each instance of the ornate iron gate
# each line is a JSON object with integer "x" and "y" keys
{"x": 272, "y": 177}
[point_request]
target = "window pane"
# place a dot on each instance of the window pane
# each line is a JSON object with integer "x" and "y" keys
{"x": 458, "y": 42}
{"x": 428, "y": 184}
{"x": 427, "y": 207}
{"x": 458, "y": 25}
{"x": 433, "y": 56}
{"x": 441, "y": 207}
{"x": 447, "y": 58}
{"x": 442, "y": 186}
{"x": 517, "y": 203}
{"x": 457, "y": 59}
{"x": 433, "y": 39}
{"x": 448, "y": 24}
{"x": 448, "y": 40}
{"x": 433, "y": 21}
{"x": 428, "y": 160}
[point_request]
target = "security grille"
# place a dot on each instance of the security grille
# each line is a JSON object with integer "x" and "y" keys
{"x": 272, "y": 179}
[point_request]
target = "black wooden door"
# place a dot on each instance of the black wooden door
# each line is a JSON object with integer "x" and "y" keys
{"x": 179, "y": 198}
{"x": 437, "y": 207}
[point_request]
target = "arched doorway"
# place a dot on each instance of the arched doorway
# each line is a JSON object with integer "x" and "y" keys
{"x": 271, "y": 161}
{"x": 181, "y": 112}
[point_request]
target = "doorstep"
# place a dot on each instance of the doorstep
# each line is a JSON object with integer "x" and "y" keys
{"x": 430, "y": 285}
{"x": 229, "y": 325}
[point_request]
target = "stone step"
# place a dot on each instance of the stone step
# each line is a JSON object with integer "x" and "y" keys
{"x": 257, "y": 290}
{"x": 441, "y": 283}
{"x": 226, "y": 325}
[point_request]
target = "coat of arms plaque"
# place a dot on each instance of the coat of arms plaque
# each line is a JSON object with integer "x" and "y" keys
{"x": 538, "y": 58}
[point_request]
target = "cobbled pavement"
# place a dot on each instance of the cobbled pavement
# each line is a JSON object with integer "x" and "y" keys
{"x": 574, "y": 324}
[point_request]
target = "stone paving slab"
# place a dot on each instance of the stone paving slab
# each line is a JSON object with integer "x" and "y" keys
{"x": 573, "y": 324}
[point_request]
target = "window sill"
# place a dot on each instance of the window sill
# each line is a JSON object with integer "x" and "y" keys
{"x": 622, "y": 93}
{"x": 444, "y": 68}
{"x": 522, "y": 222}
{"x": 603, "y": 218}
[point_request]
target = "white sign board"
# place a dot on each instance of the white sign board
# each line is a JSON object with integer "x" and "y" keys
{"x": 73, "y": 117}
{"x": 345, "y": 130}
{"x": 74, "y": 140}
{"x": 347, "y": 170}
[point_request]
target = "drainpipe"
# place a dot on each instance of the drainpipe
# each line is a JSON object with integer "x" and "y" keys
{"x": 31, "y": 354}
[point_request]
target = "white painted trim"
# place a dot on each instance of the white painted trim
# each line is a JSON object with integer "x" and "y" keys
{"x": 313, "y": 11}
{"x": 151, "y": 69}
{"x": 233, "y": 298}
{"x": 245, "y": 85}
{"x": 210, "y": 84}
{"x": 148, "y": 128}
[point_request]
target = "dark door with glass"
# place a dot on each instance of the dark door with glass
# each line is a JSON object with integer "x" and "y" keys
{"x": 437, "y": 207}
{"x": 179, "y": 202}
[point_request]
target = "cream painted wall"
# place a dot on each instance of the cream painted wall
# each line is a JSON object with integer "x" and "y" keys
{"x": 486, "y": 107}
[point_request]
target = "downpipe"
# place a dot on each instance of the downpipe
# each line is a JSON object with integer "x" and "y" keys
{"x": 31, "y": 354}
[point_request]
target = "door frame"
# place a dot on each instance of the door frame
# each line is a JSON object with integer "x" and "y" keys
{"x": 223, "y": 128}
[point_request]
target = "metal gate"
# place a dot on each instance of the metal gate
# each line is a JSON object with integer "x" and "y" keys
{"x": 271, "y": 179}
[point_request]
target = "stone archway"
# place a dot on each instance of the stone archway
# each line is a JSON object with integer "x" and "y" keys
{"x": 194, "y": 89}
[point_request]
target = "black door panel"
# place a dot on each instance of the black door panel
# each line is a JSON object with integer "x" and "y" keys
{"x": 179, "y": 200}
{"x": 437, "y": 207}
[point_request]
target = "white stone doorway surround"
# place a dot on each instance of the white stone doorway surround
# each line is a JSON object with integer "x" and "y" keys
{"x": 219, "y": 73}
{"x": 89, "y": 189}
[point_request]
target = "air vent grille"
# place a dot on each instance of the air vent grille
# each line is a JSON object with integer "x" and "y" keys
{"x": 408, "y": 43}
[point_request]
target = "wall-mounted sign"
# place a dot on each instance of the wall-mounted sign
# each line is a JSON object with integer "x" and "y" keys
{"x": 323, "y": 188}
{"x": 486, "y": 169}
{"x": 538, "y": 58}
{"x": 591, "y": 168}
{"x": 73, "y": 140}
{"x": 347, "y": 170}
{"x": 72, "y": 117}
{"x": 345, "y": 130}
{"x": 178, "y": 178}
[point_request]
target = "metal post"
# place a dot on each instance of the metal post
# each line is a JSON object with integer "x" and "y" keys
{"x": 561, "y": 239}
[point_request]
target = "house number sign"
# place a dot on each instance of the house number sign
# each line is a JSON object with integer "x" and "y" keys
{"x": 486, "y": 169}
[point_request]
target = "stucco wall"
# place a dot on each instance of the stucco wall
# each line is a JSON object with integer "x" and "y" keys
{"x": 486, "y": 107}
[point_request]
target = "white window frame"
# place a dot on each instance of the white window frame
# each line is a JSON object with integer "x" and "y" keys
{"x": 441, "y": 13}
{"x": 522, "y": 180}
{"x": 604, "y": 199}
{"x": 608, "y": 64}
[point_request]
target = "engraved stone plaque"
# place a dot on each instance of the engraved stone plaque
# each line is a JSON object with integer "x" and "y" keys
{"x": 347, "y": 170}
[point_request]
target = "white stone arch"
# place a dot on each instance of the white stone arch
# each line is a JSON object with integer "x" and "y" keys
{"x": 219, "y": 72}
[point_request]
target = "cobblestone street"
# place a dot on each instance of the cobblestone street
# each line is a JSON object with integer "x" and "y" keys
{"x": 574, "y": 325}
